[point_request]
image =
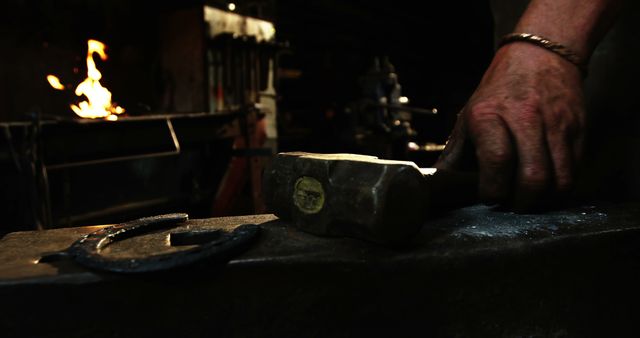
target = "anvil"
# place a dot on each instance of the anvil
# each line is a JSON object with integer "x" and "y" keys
{"x": 473, "y": 272}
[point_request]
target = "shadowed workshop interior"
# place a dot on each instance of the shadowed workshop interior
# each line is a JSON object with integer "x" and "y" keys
{"x": 113, "y": 112}
{"x": 162, "y": 62}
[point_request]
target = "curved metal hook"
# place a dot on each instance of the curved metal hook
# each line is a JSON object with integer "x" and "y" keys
{"x": 86, "y": 251}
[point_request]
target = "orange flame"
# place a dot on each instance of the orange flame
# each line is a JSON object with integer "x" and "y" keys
{"x": 55, "y": 82}
{"x": 98, "y": 104}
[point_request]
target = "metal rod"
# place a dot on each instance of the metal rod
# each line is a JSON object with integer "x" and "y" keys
{"x": 406, "y": 108}
{"x": 172, "y": 134}
{"x": 176, "y": 143}
{"x": 116, "y": 209}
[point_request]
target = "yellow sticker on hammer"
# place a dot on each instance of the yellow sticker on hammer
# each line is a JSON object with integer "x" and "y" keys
{"x": 308, "y": 195}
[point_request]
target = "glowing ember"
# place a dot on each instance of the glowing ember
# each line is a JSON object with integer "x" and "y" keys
{"x": 55, "y": 82}
{"x": 98, "y": 103}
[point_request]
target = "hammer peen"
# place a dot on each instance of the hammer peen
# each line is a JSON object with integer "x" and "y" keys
{"x": 361, "y": 196}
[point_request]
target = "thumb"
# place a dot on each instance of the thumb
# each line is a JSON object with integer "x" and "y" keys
{"x": 458, "y": 152}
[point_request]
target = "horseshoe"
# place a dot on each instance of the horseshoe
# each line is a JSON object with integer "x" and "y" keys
{"x": 218, "y": 245}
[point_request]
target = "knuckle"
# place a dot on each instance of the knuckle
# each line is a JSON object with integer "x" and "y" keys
{"x": 565, "y": 119}
{"x": 528, "y": 115}
{"x": 485, "y": 110}
{"x": 482, "y": 119}
{"x": 499, "y": 155}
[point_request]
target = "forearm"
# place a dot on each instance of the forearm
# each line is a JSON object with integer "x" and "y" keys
{"x": 577, "y": 24}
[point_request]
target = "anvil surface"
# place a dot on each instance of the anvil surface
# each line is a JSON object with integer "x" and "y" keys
{"x": 474, "y": 272}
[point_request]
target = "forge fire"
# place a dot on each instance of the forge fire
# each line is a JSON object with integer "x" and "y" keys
{"x": 98, "y": 98}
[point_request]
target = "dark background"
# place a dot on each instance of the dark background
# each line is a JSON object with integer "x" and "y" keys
{"x": 439, "y": 49}
{"x": 157, "y": 66}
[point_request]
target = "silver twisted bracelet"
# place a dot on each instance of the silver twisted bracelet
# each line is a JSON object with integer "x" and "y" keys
{"x": 545, "y": 43}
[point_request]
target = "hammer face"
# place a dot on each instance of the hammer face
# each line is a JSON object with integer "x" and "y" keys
{"x": 347, "y": 195}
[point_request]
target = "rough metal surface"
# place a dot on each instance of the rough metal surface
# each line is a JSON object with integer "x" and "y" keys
{"x": 473, "y": 272}
{"x": 20, "y": 252}
{"x": 347, "y": 194}
{"x": 463, "y": 232}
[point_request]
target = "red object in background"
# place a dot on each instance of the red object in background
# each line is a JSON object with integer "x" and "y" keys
{"x": 243, "y": 169}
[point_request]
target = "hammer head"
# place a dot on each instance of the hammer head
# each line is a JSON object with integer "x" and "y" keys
{"x": 347, "y": 195}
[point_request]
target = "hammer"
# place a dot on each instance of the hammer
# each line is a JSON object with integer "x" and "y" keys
{"x": 361, "y": 196}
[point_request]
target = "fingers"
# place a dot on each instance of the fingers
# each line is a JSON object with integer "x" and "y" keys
{"x": 524, "y": 159}
{"x": 534, "y": 163}
{"x": 495, "y": 156}
{"x": 514, "y": 150}
{"x": 562, "y": 155}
